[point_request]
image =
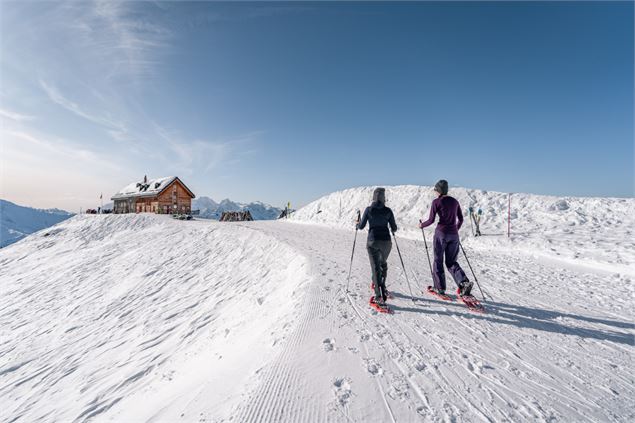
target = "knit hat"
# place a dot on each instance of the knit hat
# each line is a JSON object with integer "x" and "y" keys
{"x": 379, "y": 195}
{"x": 441, "y": 187}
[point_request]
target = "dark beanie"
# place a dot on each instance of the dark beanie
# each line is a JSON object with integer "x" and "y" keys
{"x": 379, "y": 195}
{"x": 442, "y": 187}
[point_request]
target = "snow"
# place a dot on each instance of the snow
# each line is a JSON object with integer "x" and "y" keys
{"x": 591, "y": 232}
{"x": 16, "y": 221}
{"x": 145, "y": 318}
{"x": 136, "y": 189}
{"x": 94, "y": 325}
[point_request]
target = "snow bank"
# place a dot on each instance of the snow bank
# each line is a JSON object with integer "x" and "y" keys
{"x": 596, "y": 232}
{"x": 130, "y": 318}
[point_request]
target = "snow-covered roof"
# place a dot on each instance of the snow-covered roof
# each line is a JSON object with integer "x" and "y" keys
{"x": 144, "y": 189}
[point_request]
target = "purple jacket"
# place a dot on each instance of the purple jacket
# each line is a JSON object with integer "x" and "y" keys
{"x": 449, "y": 212}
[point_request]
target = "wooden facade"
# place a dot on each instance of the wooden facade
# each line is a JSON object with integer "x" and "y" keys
{"x": 175, "y": 197}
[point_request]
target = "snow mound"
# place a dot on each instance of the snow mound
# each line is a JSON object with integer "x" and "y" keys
{"x": 122, "y": 315}
{"x": 595, "y": 232}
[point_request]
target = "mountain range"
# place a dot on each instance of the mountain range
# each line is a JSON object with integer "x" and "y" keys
{"x": 16, "y": 222}
{"x": 210, "y": 209}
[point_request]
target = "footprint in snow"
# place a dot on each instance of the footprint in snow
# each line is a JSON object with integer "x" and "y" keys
{"x": 328, "y": 344}
{"x": 373, "y": 367}
{"x": 342, "y": 391}
{"x": 420, "y": 366}
{"x": 422, "y": 410}
{"x": 399, "y": 389}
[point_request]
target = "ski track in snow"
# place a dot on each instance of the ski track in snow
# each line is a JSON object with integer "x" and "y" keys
{"x": 531, "y": 357}
{"x": 162, "y": 320}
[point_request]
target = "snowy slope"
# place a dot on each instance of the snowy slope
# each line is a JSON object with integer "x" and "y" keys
{"x": 16, "y": 222}
{"x": 139, "y": 310}
{"x": 586, "y": 231}
{"x": 212, "y": 210}
{"x": 143, "y": 318}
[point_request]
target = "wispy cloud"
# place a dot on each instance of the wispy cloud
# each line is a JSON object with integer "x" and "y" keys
{"x": 249, "y": 12}
{"x": 15, "y": 116}
{"x": 55, "y": 96}
{"x": 126, "y": 44}
{"x": 205, "y": 154}
{"x": 60, "y": 146}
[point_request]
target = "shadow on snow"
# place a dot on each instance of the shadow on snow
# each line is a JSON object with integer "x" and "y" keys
{"x": 527, "y": 317}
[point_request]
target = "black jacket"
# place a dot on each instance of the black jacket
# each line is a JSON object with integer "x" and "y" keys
{"x": 378, "y": 217}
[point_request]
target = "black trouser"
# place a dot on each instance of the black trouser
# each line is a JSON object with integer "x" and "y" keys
{"x": 378, "y": 252}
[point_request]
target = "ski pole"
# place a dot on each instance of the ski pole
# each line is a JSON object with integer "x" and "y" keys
{"x": 473, "y": 274}
{"x": 352, "y": 254}
{"x": 403, "y": 267}
{"x": 427, "y": 253}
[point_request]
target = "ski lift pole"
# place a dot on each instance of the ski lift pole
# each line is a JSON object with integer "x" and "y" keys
{"x": 403, "y": 267}
{"x": 348, "y": 281}
{"x": 472, "y": 270}
{"x": 427, "y": 253}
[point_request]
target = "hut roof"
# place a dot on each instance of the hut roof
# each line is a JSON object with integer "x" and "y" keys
{"x": 149, "y": 188}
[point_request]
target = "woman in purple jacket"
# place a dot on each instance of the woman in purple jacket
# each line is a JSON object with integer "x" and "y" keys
{"x": 446, "y": 240}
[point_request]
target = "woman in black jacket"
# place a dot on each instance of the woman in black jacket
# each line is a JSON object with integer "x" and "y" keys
{"x": 379, "y": 218}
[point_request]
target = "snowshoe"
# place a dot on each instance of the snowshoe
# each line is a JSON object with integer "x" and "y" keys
{"x": 439, "y": 294}
{"x": 472, "y": 303}
{"x": 380, "y": 306}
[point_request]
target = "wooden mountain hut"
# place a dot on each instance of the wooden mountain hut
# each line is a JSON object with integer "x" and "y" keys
{"x": 162, "y": 195}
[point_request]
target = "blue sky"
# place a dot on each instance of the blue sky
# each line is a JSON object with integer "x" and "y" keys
{"x": 288, "y": 101}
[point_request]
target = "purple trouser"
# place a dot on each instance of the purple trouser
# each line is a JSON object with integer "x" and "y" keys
{"x": 447, "y": 244}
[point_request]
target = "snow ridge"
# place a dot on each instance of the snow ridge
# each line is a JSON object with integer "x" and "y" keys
{"x": 595, "y": 232}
